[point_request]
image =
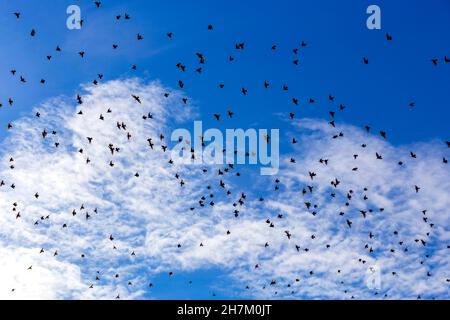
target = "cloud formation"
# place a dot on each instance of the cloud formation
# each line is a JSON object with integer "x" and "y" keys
{"x": 123, "y": 217}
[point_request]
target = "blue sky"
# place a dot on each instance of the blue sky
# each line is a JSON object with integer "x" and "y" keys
{"x": 377, "y": 94}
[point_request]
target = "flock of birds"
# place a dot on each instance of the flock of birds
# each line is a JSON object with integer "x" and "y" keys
{"x": 208, "y": 199}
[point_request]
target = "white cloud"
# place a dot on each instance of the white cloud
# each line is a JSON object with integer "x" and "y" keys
{"x": 150, "y": 214}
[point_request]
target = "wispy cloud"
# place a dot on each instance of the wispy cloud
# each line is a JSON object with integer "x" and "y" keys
{"x": 150, "y": 214}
